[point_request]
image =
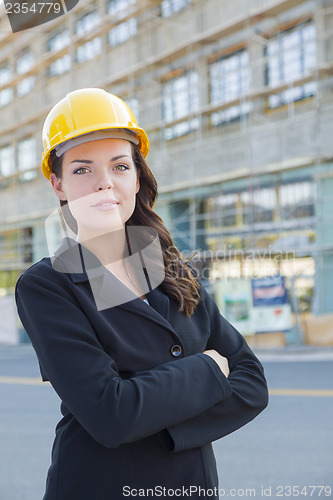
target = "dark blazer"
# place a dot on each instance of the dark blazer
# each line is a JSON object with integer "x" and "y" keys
{"x": 141, "y": 403}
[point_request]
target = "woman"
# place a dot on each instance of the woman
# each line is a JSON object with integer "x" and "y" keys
{"x": 148, "y": 375}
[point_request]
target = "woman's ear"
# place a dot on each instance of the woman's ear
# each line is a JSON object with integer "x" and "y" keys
{"x": 57, "y": 187}
{"x": 138, "y": 181}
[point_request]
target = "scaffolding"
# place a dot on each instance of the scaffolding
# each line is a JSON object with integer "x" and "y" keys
{"x": 262, "y": 147}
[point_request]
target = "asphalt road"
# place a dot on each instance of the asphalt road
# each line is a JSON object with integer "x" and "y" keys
{"x": 285, "y": 452}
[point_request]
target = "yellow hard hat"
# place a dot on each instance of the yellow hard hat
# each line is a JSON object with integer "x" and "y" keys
{"x": 82, "y": 112}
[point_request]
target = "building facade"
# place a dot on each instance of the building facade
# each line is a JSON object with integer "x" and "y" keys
{"x": 237, "y": 101}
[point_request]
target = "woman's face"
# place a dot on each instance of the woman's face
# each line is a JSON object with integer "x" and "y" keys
{"x": 100, "y": 182}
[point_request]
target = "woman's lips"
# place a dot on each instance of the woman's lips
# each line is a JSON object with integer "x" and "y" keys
{"x": 106, "y": 205}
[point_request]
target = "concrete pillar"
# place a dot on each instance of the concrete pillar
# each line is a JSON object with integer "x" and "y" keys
{"x": 323, "y": 297}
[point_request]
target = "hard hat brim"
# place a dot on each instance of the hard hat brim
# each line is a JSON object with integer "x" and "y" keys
{"x": 142, "y": 136}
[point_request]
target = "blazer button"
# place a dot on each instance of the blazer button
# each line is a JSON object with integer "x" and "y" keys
{"x": 176, "y": 351}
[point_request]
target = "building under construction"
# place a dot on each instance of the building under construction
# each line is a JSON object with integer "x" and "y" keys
{"x": 237, "y": 100}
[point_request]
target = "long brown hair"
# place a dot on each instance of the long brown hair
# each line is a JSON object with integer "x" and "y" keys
{"x": 179, "y": 282}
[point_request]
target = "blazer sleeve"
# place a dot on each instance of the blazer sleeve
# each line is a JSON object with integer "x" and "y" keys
{"x": 111, "y": 409}
{"x": 249, "y": 395}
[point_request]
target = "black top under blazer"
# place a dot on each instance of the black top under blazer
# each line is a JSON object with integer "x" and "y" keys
{"x": 141, "y": 403}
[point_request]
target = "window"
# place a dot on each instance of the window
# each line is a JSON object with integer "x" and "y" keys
{"x": 58, "y": 41}
{"x": 120, "y": 8}
{"x": 16, "y": 246}
{"x": 180, "y": 98}
{"x": 229, "y": 80}
{"x": 25, "y": 86}
{"x": 228, "y": 206}
{"x": 133, "y": 104}
{"x": 5, "y": 73}
{"x": 260, "y": 206}
{"x": 27, "y": 244}
{"x": 170, "y": 7}
{"x": 297, "y": 200}
{"x": 7, "y": 164}
{"x": 291, "y": 55}
{"x": 90, "y": 49}
{"x": 60, "y": 66}
{"x": 223, "y": 210}
{"x": 24, "y": 63}
{"x": 55, "y": 43}
{"x": 27, "y": 157}
{"x": 6, "y": 95}
{"x": 87, "y": 23}
{"x": 122, "y": 32}
{"x": 9, "y": 248}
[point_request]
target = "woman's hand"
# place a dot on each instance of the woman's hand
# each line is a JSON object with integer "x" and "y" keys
{"x": 220, "y": 360}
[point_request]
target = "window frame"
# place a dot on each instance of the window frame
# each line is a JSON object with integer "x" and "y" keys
{"x": 130, "y": 26}
{"x": 294, "y": 93}
{"x": 172, "y": 7}
{"x": 242, "y": 73}
{"x": 11, "y": 150}
{"x": 185, "y": 122}
{"x": 28, "y": 172}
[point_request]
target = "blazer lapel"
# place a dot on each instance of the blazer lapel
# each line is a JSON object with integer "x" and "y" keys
{"x": 159, "y": 301}
{"x": 157, "y": 311}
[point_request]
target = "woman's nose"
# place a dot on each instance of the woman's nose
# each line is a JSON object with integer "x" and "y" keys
{"x": 104, "y": 182}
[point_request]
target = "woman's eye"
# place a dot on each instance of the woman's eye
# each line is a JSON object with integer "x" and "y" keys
{"x": 83, "y": 170}
{"x": 80, "y": 170}
{"x": 123, "y": 167}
